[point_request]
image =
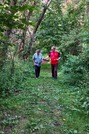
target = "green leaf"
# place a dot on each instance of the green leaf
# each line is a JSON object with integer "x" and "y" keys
{"x": 26, "y": 7}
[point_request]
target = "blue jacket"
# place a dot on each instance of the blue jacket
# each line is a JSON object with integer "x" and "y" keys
{"x": 38, "y": 59}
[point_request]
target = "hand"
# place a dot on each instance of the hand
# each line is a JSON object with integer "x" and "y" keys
{"x": 56, "y": 59}
{"x": 34, "y": 63}
{"x": 45, "y": 59}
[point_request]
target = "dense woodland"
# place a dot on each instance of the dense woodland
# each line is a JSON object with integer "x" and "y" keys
{"x": 26, "y": 25}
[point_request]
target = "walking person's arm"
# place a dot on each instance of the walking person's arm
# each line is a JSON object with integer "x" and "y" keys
{"x": 59, "y": 56}
{"x": 33, "y": 58}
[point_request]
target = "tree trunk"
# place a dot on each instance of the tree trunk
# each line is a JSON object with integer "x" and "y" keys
{"x": 47, "y": 2}
{"x": 22, "y": 44}
{"x": 4, "y": 46}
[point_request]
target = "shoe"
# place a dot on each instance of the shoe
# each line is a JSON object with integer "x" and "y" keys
{"x": 37, "y": 77}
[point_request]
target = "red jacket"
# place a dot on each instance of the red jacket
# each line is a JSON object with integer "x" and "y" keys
{"x": 54, "y": 57}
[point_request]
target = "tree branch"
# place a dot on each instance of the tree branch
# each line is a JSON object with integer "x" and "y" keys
{"x": 47, "y": 3}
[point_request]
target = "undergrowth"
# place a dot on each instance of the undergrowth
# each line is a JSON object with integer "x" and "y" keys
{"x": 45, "y": 106}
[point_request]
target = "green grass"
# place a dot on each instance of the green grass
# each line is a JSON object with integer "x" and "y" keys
{"x": 43, "y": 106}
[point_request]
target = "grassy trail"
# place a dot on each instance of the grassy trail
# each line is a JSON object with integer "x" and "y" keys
{"x": 39, "y": 108}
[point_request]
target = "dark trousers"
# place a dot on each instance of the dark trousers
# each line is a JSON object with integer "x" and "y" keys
{"x": 54, "y": 68}
{"x": 37, "y": 71}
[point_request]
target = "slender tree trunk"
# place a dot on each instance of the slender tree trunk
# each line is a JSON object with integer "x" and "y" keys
{"x": 47, "y": 2}
{"x": 22, "y": 44}
{"x": 4, "y": 46}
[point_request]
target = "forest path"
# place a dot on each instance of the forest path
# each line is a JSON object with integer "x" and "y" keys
{"x": 37, "y": 109}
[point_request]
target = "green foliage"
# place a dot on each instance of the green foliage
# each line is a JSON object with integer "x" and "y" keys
{"x": 51, "y": 28}
{"x": 70, "y": 43}
{"x": 11, "y": 16}
{"x": 84, "y": 103}
{"x": 11, "y": 76}
{"x": 45, "y": 106}
{"x": 75, "y": 71}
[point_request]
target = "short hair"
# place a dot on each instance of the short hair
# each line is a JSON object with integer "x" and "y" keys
{"x": 53, "y": 47}
{"x": 38, "y": 50}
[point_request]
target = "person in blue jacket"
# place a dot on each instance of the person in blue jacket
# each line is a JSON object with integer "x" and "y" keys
{"x": 37, "y": 60}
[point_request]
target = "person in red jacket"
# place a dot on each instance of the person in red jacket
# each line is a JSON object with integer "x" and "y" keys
{"x": 54, "y": 56}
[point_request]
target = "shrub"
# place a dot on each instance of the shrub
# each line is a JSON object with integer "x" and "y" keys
{"x": 75, "y": 71}
{"x": 10, "y": 82}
